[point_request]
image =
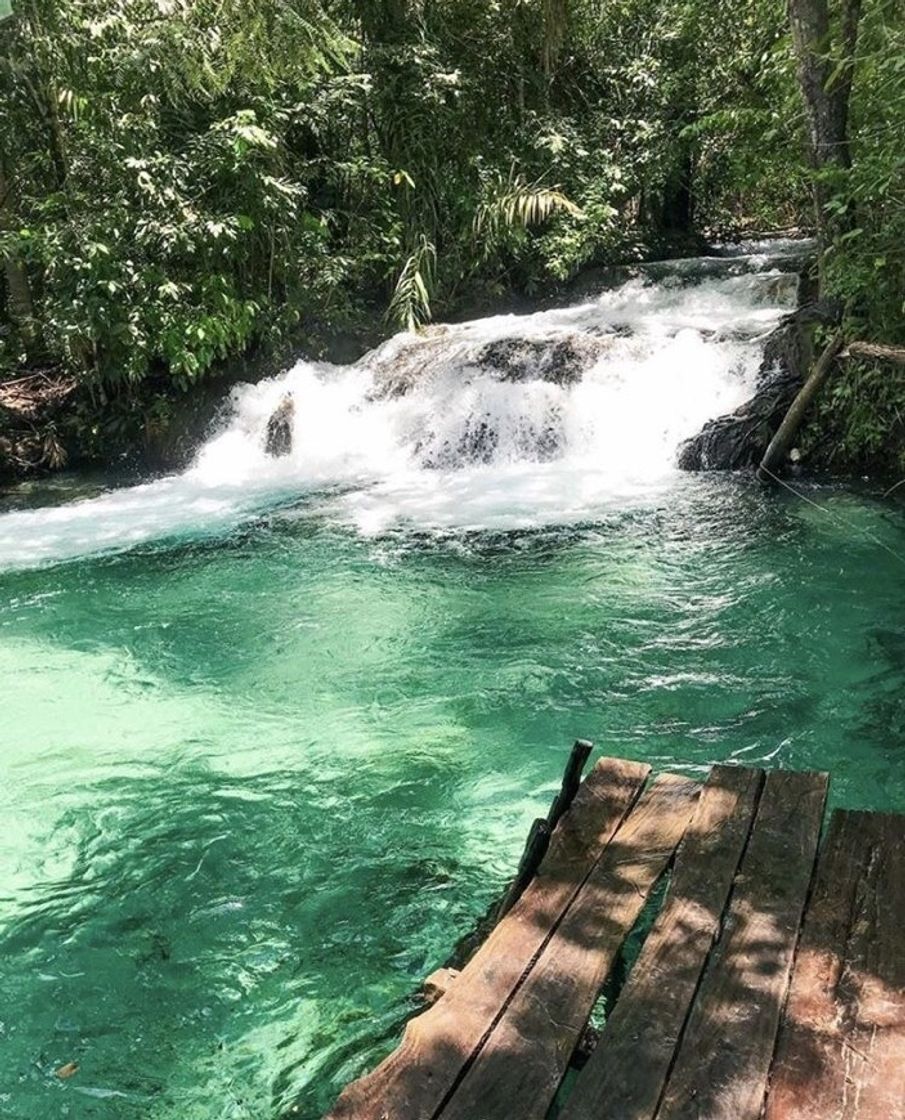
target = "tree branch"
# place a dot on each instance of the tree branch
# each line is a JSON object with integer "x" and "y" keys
{"x": 877, "y": 350}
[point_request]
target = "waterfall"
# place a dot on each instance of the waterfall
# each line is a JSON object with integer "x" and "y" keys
{"x": 505, "y": 421}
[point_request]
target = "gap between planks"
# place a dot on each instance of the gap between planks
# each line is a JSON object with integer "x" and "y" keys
{"x": 628, "y": 1070}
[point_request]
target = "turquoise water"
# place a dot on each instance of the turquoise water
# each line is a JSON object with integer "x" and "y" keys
{"x": 272, "y": 732}
{"x": 255, "y": 787}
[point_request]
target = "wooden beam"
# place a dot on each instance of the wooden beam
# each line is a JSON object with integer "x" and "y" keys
{"x": 627, "y": 1072}
{"x": 521, "y": 1064}
{"x": 720, "y": 1072}
{"x": 571, "y": 780}
{"x": 542, "y": 829}
{"x": 414, "y": 1081}
{"x": 841, "y": 1048}
{"x": 535, "y": 849}
{"x": 438, "y": 984}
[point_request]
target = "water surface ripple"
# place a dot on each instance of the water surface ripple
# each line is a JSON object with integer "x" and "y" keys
{"x": 254, "y": 789}
{"x": 273, "y": 732}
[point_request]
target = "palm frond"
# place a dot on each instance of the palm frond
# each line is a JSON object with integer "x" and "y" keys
{"x": 514, "y": 205}
{"x": 410, "y": 306}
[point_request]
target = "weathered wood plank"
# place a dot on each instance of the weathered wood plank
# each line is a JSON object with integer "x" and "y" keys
{"x": 627, "y": 1072}
{"x": 413, "y": 1082}
{"x": 519, "y": 1067}
{"x": 841, "y": 1048}
{"x": 720, "y": 1072}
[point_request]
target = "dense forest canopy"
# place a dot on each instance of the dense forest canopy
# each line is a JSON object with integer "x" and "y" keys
{"x": 183, "y": 180}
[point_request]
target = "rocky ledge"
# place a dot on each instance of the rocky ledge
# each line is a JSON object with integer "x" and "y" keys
{"x": 739, "y": 439}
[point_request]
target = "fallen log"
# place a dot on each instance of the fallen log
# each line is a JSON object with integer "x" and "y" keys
{"x": 781, "y": 442}
{"x": 879, "y": 351}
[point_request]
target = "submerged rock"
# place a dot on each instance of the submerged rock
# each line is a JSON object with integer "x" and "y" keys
{"x": 278, "y": 437}
{"x": 480, "y": 440}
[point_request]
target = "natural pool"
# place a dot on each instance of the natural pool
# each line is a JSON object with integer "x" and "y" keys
{"x": 254, "y": 789}
{"x": 256, "y": 781}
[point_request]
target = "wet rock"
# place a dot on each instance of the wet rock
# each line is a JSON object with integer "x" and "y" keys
{"x": 278, "y": 437}
{"x": 480, "y": 441}
{"x": 561, "y": 361}
{"x": 399, "y": 370}
{"x": 477, "y": 444}
{"x": 739, "y": 439}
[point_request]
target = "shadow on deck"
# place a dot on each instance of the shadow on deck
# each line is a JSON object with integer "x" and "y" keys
{"x": 770, "y": 984}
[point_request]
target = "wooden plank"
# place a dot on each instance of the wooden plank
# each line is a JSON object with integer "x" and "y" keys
{"x": 841, "y": 1048}
{"x": 720, "y": 1072}
{"x": 627, "y": 1071}
{"x": 520, "y": 1066}
{"x": 413, "y": 1082}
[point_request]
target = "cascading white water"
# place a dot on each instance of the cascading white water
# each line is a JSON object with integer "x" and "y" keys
{"x": 501, "y": 422}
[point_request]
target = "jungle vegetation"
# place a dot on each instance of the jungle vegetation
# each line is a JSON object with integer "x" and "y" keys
{"x": 184, "y": 182}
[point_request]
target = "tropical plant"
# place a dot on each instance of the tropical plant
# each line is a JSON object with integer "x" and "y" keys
{"x": 185, "y": 180}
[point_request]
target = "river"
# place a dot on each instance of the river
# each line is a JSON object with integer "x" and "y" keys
{"x": 273, "y": 731}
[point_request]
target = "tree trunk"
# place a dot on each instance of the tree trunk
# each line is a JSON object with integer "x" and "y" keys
{"x": 389, "y": 21}
{"x": 19, "y": 301}
{"x": 556, "y": 23}
{"x": 875, "y": 351}
{"x": 826, "y": 91}
{"x": 677, "y": 215}
{"x": 43, "y": 89}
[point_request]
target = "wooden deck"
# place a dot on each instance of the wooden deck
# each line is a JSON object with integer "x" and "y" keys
{"x": 770, "y": 985}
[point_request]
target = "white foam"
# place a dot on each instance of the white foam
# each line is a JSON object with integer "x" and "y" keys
{"x": 672, "y": 356}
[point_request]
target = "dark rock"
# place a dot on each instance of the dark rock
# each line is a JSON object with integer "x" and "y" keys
{"x": 409, "y": 364}
{"x": 278, "y": 439}
{"x": 561, "y": 361}
{"x": 739, "y": 439}
{"x": 477, "y": 444}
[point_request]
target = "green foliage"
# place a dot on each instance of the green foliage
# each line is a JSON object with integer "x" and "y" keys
{"x": 160, "y": 214}
{"x": 410, "y": 305}
{"x": 866, "y": 265}
{"x": 191, "y": 178}
{"x": 860, "y": 421}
